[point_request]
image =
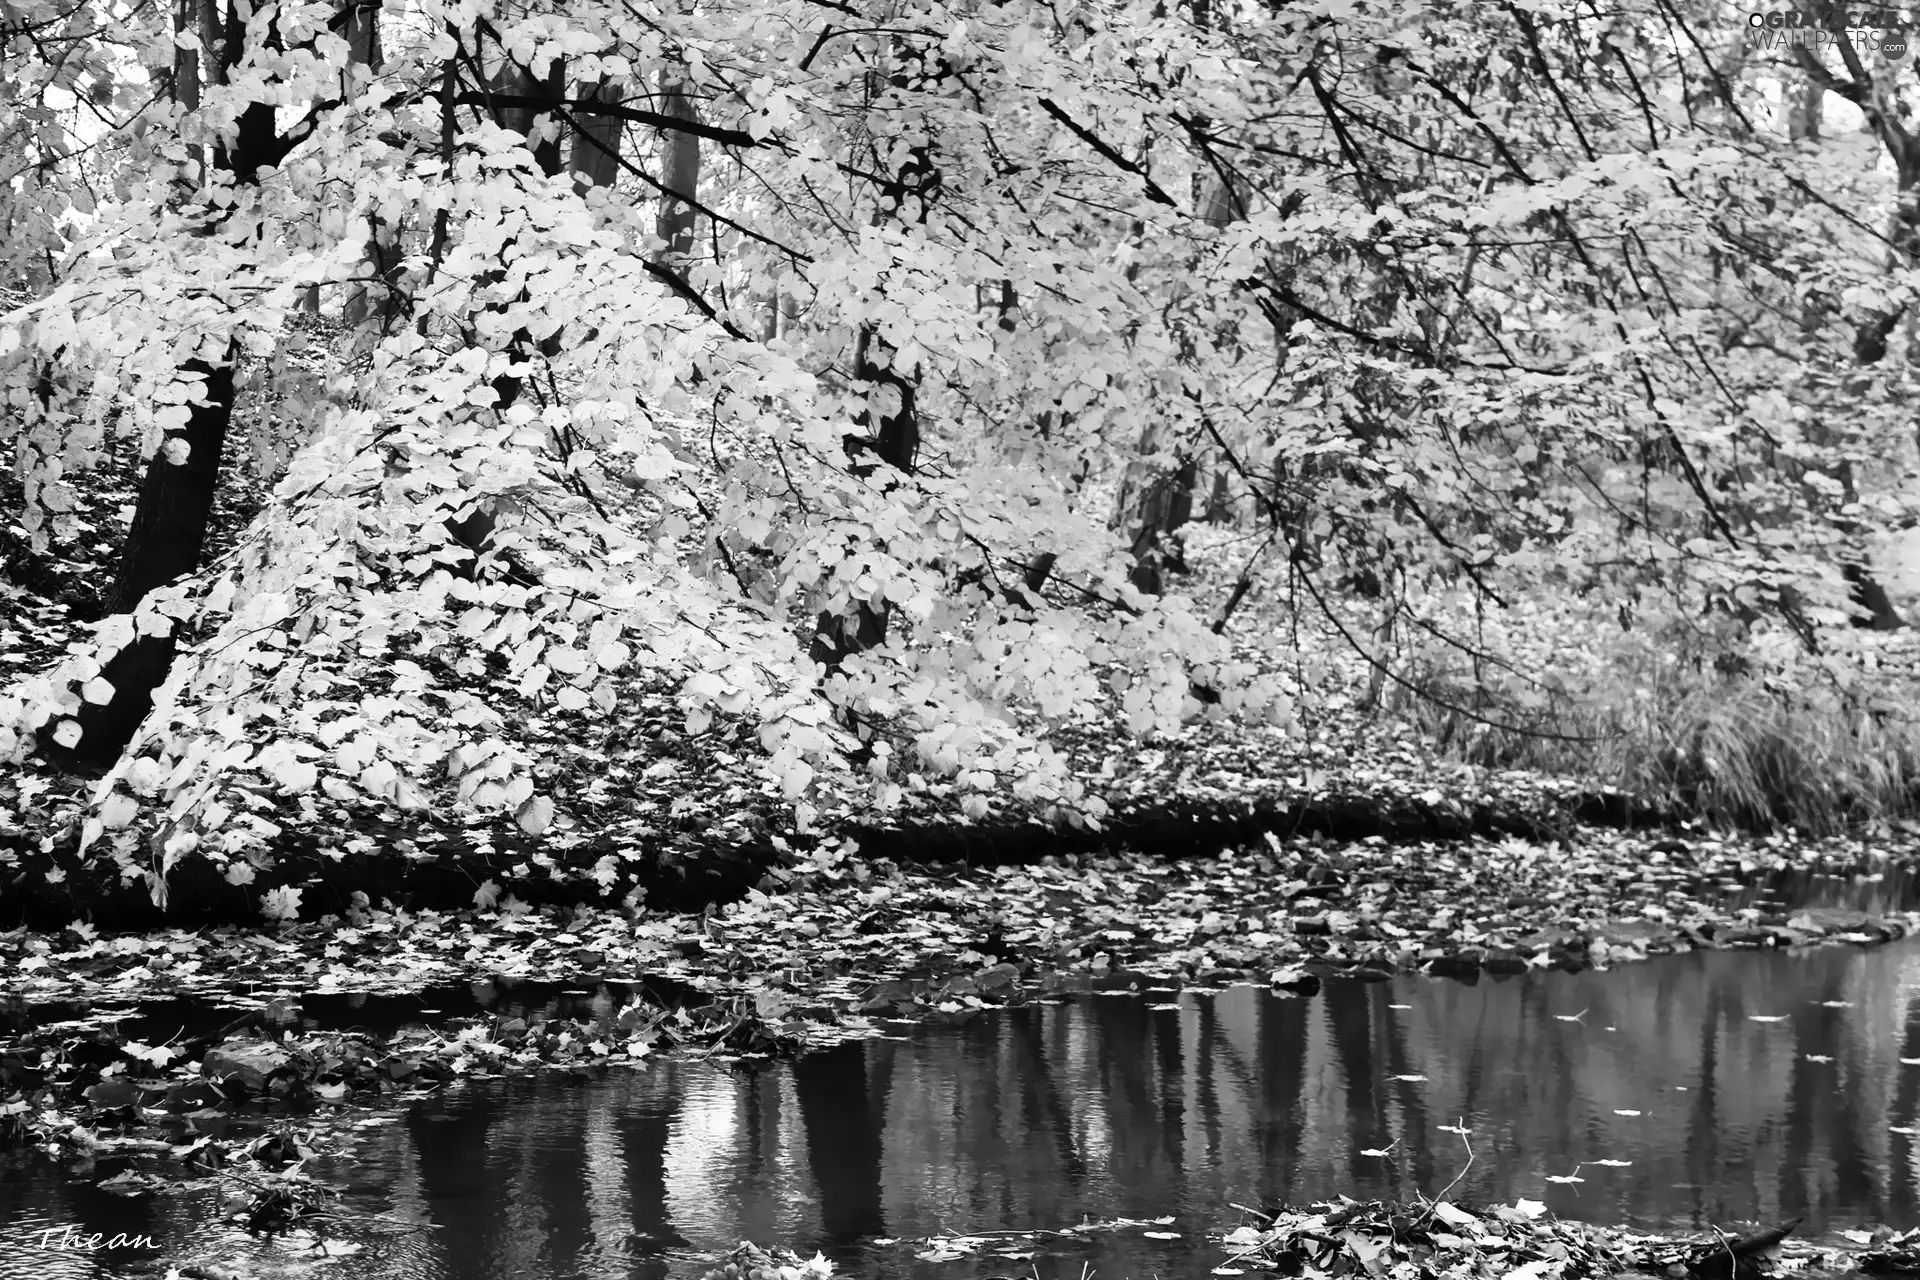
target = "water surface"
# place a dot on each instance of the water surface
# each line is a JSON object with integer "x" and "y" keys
{"x": 1730, "y": 1086}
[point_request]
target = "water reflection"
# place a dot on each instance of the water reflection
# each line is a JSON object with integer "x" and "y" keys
{"x": 1725, "y": 1085}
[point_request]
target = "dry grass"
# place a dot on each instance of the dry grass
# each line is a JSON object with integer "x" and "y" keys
{"x": 1759, "y": 742}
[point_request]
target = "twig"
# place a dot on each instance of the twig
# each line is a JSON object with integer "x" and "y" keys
{"x": 1436, "y": 1202}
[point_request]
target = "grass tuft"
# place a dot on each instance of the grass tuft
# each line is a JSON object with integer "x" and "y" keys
{"x": 1737, "y": 734}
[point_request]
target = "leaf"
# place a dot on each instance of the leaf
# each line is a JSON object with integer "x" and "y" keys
{"x": 157, "y": 1056}
{"x": 117, "y": 810}
{"x": 1538, "y": 1269}
{"x": 281, "y": 905}
{"x": 98, "y": 691}
{"x": 535, "y": 815}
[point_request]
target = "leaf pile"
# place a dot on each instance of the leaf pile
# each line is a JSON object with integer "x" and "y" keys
{"x": 749, "y": 1261}
{"x": 1439, "y": 1240}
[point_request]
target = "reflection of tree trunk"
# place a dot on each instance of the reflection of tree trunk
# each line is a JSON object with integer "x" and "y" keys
{"x": 1140, "y": 1069}
{"x": 1040, "y": 1095}
{"x": 461, "y": 1183}
{"x": 844, "y": 1119}
{"x": 1282, "y": 1038}
{"x": 553, "y": 1177}
{"x": 1904, "y": 1199}
{"x": 1350, "y": 1014}
{"x": 1703, "y": 1108}
{"x": 1411, "y": 1095}
{"x": 644, "y": 1130}
{"x": 1817, "y": 1138}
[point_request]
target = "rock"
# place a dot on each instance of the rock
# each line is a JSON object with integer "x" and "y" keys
{"x": 247, "y": 1064}
{"x": 997, "y": 977}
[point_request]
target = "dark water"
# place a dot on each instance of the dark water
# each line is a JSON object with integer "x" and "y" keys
{"x": 1105, "y": 1107}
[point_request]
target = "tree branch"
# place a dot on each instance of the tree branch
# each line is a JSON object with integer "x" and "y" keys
{"x": 1118, "y": 161}
{"x": 594, "y": 107}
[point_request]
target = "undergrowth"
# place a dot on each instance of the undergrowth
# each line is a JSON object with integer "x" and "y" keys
{"x": 1740, "y": 731}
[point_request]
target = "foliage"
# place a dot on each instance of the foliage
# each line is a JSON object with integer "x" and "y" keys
{"x": 1525, "y": 300}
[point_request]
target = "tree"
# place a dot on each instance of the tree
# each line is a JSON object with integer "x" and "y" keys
{"x": 1449, "y": 295}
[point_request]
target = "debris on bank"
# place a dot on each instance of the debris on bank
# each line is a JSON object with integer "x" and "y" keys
{"x": 1520, "y": 1241}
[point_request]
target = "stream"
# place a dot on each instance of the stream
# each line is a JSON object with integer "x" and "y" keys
{"x": 1708, "y": 1088}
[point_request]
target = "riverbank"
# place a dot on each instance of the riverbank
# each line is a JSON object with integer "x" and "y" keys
{"x": 850, "y": 941}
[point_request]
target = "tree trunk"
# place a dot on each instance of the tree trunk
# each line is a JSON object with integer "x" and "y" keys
{"x": 1805, "y": 103}
{"x": 169, "y": 529}
{"x": 363, "y": 59}
{"x": 679, "y": 173}
{"x": 1162, "y": 505}
{"x": 595, "y": 158}
{"x": 894, "y": 437}
{"x": 474, "y": 530}
{"x": 164, "y": 543}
